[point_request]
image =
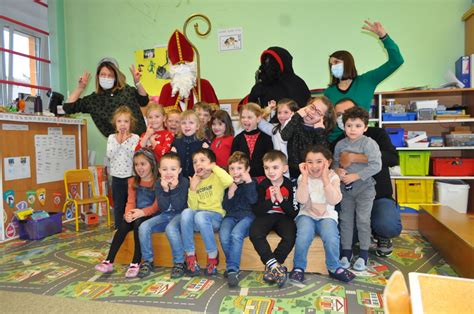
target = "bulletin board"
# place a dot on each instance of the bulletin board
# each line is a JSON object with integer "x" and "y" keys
{"x": 34, "y": 153}
{"x": 154, "y": 66}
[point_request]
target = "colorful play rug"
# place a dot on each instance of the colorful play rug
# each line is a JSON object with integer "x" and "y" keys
{"x": 63, "y": 265}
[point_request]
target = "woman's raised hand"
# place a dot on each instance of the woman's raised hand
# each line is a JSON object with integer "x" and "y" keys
{"x": 136, "y": 74}
{"x": 375, "y": 28}
{"x": 83, "y": 80}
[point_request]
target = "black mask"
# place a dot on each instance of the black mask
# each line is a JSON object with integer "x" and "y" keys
{"x": 269, "y": 71}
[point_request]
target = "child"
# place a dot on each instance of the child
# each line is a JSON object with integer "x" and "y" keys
{"x": 204, "y": 112}
{"x": 222, "y": 137}
{"x": 140, "y": 205}
{"x": 172, "y": 196}
{"x": 285, "y": 110}
{"x": 172, "y": 121}
{"x": 308, "y": 126}
{"x": 120, "y": 148}
{"x": 205, "y": 212}
{"x": 238, "y": 201}
{"x": 156, "y": 136}
{"x": 251, "y": 140}
{"x": 275, "y": 210}
{"x": 358, "y": 199}
{"x": 318, "y": 191}
{"x": 189, "y": 139}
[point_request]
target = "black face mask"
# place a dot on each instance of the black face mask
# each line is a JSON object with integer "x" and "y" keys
{"x": 269, "y": 71}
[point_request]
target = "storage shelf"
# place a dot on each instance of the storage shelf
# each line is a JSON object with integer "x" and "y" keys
{"x": 432, "y": 177}
{"x": 423, "y": 92}
{"x": 429, "y": 121}
{"x": 437, "y": 148}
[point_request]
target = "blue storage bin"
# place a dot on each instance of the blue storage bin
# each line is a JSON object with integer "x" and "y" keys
{"x": 396, "y": 136}
{"x": 38, "y": 229}
{"x": 403, "y": 116}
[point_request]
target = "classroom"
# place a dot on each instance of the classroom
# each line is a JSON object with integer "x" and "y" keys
{"x": 213, "y": 156}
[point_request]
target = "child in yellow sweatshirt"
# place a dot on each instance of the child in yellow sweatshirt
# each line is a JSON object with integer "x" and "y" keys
{"x": 205, "y": 212}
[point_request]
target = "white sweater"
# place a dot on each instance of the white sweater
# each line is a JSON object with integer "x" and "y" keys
{"x": 121, "y": 155}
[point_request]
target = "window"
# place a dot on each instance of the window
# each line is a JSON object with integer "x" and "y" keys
{"x": 24, "y": 64}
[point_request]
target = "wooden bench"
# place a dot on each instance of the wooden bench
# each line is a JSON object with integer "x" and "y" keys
{"x": 249, "y": 261}
{"x": 452, "y": 234}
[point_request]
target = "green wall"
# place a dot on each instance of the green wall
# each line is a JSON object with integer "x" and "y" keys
{"x": 430, "y": 35}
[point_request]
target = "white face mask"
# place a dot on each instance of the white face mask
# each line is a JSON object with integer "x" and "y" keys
{"x": 339, "y": 122}
{"x": 106, "y": 83}
{"x": 337, "y": 70}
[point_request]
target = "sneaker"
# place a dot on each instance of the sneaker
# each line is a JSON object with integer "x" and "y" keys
{"x": 297, "y": 274}
{"x": 105, "y": 267}
{"x": 342, "y": 274}
{"x": 268, "y": 276}
{"x": 192, "y": 267}
{"x": 132, "y": 270}
{"x": 233, "y": 278}
{"x": 178, "y": 270}
{"x": 359, "y": 264}
{"x": 384, "y": 247}
{"x": 145, "y": 269}
{"x": 211, "y": 267}
{"x": 279, "y": 274}
{"x": 345, "y": 263}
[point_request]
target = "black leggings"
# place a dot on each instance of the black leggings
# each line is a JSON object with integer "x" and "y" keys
{"x": 120, "y": 235}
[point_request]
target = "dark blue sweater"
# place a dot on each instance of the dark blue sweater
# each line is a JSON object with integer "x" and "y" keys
{"x": 175, "y": 200}
{"x": 240, "y": 205}
{"x": 185, "y": 147}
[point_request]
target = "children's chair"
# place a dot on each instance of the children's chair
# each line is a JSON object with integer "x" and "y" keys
{"x": 84, "y": 179}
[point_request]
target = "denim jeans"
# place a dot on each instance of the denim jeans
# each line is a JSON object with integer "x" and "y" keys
{"x": 232, "y": 234}
{"x": 306, "y": 229}
{"x": 164, "y": 222}
{"x": 203, "y": 221}
{"x": 385, "y": 219}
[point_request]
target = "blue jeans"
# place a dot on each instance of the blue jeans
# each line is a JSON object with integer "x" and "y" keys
{"x": 232, "y": 234}
{"x": 164, "y": 222}
{"x": 203, "y": 221}
{"x": 385, "y": 219}
{"x": 306, "y": 229}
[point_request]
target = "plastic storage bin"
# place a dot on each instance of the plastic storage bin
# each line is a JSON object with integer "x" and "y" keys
{"x": 414, "y": 191}
{"x": 403, "y": 116}
{"x": 460, "y": 140}
{"x": 453, "y": 193}
{"x": 396, "y": 136}
{"x": 449, "y": 166}
{"x": 38, "y": 229}
{"x": 415, "y": 163}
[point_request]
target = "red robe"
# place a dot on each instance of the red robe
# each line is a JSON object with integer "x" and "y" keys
{"x": 168, "y": 102}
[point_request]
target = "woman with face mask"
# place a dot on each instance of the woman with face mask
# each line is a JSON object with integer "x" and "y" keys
{"x": 346, "y": 83}
{"x": 111, "y": 92}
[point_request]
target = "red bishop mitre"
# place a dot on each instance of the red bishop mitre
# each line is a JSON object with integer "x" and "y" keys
{"x": 179, "y": 49}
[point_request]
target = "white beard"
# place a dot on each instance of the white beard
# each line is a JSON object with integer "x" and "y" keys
{"x": 183, "y": 79}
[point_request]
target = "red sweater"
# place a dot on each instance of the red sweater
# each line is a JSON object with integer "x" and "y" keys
{"x": 164, "y": 138}
{"x": 221, "y": 146}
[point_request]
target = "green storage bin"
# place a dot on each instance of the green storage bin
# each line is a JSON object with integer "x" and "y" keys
{"x": 414, "y": 163}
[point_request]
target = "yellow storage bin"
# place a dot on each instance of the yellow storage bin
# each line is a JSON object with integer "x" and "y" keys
{"x": 414, "y": 163}
{"x": 414, "y": 191}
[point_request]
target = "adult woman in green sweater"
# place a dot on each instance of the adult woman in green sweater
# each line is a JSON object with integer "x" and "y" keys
{"x": 346, "y": 83}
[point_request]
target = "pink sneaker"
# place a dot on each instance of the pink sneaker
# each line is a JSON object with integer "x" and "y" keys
{"x": 132, "y": 270}
{"x": 105, "y": 267}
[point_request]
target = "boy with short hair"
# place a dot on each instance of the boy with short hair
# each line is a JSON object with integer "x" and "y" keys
{"x": 275, "y": 210}
{"x": 205, "y": 212}
{"x": 358, "y": 186}
{"x": 172, "y": 121}
{"x": 238, "y": 201}
{"x": 204, "y": 112}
